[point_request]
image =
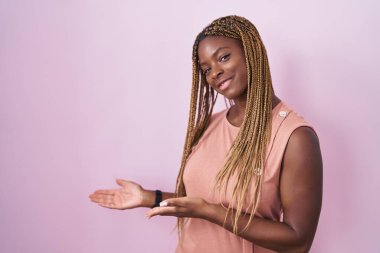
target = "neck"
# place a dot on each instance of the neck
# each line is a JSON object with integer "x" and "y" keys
{"x": 236, "y": 114}
{"x": 240, "y": 104}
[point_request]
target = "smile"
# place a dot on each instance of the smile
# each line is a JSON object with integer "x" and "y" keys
{"x": 224, "y": 84}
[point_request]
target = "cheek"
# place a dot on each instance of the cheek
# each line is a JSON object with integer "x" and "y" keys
{"x": 209, "y": 82}
{"x": 238, "y": 67}
{"x": 242, "y": 74}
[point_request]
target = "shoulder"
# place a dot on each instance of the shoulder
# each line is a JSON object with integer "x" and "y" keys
{"x": 288, "y": 120}
{"x": 292, "y": 119}
{"x": 300, "y": 131}
{"x": 303, "y": 137}
{"x": 302, "y": 144}
{"x": 303, "y": 152}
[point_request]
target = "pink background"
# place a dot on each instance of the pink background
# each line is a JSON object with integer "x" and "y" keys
{"x": 95, "y": 90}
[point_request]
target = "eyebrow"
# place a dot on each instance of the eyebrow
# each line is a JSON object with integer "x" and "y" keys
{"x": 216, "y": 51}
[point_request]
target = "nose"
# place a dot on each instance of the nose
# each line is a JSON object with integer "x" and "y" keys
{"x": 216, "y": 73}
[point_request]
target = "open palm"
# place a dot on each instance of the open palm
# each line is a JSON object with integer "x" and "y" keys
{"x": 130, "y": 195}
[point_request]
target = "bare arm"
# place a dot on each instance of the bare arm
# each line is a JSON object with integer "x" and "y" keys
{"x": 130, "y": 195}
{"x": 301, "y": 197}
{"x": 149, "y": 197}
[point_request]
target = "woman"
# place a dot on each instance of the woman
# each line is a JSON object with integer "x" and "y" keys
{"x": 251, "y": 175}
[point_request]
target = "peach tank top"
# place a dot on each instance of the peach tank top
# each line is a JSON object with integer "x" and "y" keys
{"x": 205, "y": 161}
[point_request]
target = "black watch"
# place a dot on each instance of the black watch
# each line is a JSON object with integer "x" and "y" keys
{"x": 158, "y": 198}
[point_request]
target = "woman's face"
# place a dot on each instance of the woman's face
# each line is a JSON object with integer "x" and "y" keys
{"x": 222, "y": 61}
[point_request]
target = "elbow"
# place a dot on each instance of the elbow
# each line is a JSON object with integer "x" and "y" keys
{"x": 302, "y": 248}
{"x": 296, "y": 241}
{"x": 300, "y": 244}
{"x": 299, "y": 248}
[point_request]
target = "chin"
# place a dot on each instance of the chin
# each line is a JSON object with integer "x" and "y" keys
{"x": 228, "y": 96}
{"x": 233, "y": 94}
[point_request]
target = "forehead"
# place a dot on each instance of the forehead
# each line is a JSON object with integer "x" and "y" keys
{"x": 211, "y": 44}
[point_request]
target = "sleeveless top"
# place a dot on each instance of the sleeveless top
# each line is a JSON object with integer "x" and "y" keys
{"x": 207, "y": 159}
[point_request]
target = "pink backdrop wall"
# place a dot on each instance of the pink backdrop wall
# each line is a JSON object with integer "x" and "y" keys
{"x": 95, "y": 90}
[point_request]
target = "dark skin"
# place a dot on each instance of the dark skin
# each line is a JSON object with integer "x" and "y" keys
{"x": 222, "y": 58}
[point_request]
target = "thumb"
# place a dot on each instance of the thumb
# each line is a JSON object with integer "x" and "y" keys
{"x": 121, "y": 182}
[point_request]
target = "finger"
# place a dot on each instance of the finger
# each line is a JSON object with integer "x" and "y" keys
{"x": 108, "y": 191}
{"x": 109, "y": 205}
{"x": 121, "y": 182}
{"x": 164, "y": 211}
{"x": 182, "y": 201}
{"x": 101, "y": 196}
{"x": 104, "y": 199}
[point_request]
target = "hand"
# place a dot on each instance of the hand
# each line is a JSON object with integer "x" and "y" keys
{"x": 127, "y": 197}
{"x": 183, "y": 207}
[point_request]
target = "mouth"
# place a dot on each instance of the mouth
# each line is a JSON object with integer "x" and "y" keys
{"x": 222, "y": 85}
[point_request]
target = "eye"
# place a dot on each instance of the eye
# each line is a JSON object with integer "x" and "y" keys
{"x": 225, "y": 57}
{"x": 205, "y": 71}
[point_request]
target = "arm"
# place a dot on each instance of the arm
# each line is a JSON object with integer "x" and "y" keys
{"x": 149, "y": 197}
{"x": 130, "y": 195}
{"x": 301, "y": 197}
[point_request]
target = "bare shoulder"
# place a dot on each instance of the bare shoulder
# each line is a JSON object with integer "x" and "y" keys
{"x": 304, "y": 134}
{"x": 303, "y": 140}
{"x": 302, "y": 154}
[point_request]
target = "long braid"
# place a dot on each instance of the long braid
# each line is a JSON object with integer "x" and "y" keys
{"x": 246, "y": 157}
{"x": 198, "y": 121}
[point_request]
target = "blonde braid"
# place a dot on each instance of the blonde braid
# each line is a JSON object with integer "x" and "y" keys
{"x": 246, "y": 157}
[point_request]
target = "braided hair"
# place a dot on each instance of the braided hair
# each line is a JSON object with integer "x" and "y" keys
{"x": 246, "y": 156}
